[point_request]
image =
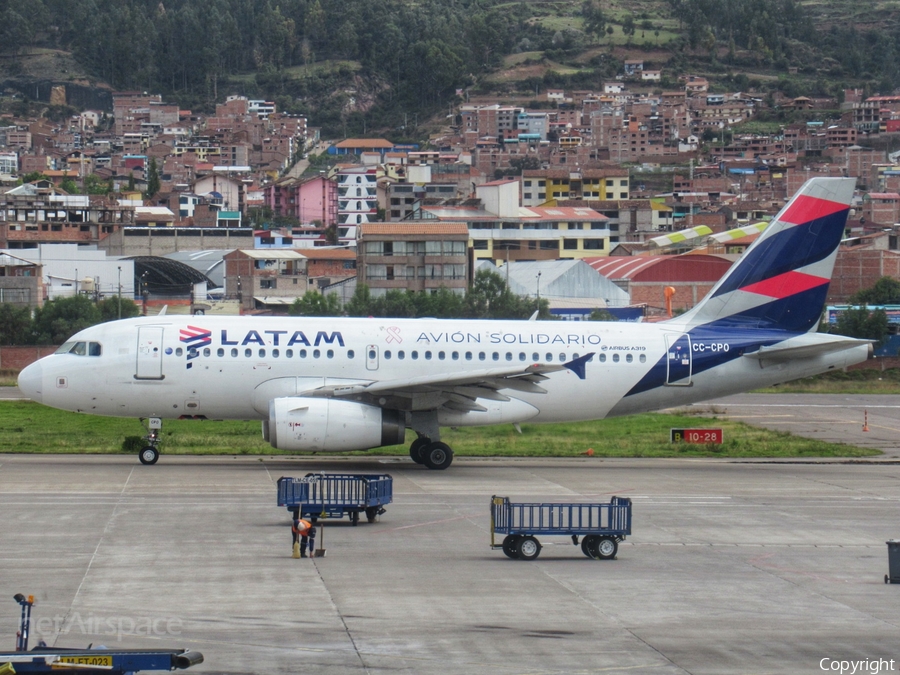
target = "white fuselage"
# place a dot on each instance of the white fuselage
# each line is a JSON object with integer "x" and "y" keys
{"x": 231, "y": 367}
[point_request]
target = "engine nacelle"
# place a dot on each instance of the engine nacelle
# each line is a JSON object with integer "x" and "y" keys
{"x": 328, "y": 424}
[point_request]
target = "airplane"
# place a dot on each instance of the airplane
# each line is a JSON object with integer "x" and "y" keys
{"x": 342, "y": 384}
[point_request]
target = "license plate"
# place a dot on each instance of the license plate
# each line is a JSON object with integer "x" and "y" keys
{"x": 85, "y": 660}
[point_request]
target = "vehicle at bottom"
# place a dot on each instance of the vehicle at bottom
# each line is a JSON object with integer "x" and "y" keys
{"x": 599, "y": 526}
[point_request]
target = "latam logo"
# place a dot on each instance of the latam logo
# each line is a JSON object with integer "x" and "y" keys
{"x": 194, "y": 338}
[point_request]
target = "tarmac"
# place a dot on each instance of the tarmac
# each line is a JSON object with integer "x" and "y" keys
{"x": 733, "y": 566}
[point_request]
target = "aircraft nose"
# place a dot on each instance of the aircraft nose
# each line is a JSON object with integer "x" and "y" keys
{"x": 31, "y": 381}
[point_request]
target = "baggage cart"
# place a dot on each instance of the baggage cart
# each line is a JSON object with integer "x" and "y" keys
{"x": 334, "y": 495}
{"x": 600, "y": 526}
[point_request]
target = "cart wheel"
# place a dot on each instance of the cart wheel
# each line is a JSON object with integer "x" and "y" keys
{"x": 528, "y": 548}
{"x": 511, "y": 546}
{"x": 148, "y": 455}
{"x": 587, "y": 545}
{"x": 371, "y": 514}
{"x": 606, "y": 548}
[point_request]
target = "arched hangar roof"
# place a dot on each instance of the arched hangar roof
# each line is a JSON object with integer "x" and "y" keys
{"x": 165, "y": 276}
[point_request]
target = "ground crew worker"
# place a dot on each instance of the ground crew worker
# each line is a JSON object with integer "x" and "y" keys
{"x": 305, "y": 531}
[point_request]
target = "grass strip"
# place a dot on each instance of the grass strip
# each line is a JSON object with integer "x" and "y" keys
{"x": 27, "y": 427}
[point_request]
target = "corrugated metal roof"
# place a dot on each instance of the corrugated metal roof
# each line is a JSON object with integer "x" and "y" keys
{"x": 273, "y": 254}
{"x": 662, "y": 268}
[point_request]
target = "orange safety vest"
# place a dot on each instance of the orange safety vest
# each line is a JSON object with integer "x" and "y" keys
{"x": 301, "y": 527}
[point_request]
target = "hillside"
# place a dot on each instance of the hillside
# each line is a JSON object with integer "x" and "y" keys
{"x": 359, "y": 67}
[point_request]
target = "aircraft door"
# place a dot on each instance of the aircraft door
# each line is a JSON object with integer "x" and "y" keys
{"x": 678, "y": 360}
{"x": 149, "y": 353}
{"x": 371, "y": 357}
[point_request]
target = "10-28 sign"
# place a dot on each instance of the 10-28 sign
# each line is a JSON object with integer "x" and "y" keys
{"x": 696, "y": 436}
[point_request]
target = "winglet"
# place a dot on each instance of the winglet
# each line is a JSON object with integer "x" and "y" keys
{"x": 577, "y": 365}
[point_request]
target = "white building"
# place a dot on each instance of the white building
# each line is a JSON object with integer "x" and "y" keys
{"x": 357, "y": 195}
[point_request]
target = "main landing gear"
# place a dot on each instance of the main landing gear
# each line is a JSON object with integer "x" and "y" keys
{"x": 149, "y": 454}
{"x": 433, "y": 454}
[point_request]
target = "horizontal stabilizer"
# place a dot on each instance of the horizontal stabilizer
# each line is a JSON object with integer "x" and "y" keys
{"x": 804, "y": 351}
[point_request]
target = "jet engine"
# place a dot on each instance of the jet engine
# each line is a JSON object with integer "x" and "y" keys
{"x": 314, "y": 424}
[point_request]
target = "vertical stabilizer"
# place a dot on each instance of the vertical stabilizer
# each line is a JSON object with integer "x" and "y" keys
{"x": 781, "y": 281}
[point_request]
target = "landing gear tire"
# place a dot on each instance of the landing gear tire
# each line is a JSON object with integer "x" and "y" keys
{"x": 437, "y": 455}
{"x": 511, "y": 546}
{"x": 529, "y": 548}
{"x": 149, "y": 455}
{"x": 606, "y": 548}
{"x": 417, "y": 447}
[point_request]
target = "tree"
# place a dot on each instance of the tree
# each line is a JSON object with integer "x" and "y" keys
{"x": 314, "y": 303}
{"x": 109, "y": 308}
{"x": 15, "y": 325}
{"x": 489, "y": 298}
{"x": 58, "y": 320}
{"x": 594, "y": 19}
{"x": 152, "y": 179}
{"x": 69, "y": 186}
{"x": 863, "y": 323}
{"x": 361, "y": 302}
{"x": 885, "y": 291}
{"x": 602, "y": 315}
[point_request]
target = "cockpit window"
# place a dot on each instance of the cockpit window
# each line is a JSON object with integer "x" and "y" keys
{"x": 81, "y": 348}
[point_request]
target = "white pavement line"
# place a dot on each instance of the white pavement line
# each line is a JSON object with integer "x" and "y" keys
{"x": 96, "y": 549}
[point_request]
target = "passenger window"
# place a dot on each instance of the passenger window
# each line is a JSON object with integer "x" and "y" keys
{"x": 372, "y": 354}
{"x": 302, "y": 353}
{"x": 615, "y": 358}
{"x": 455, "y": 356}
{"x": 234, "y": 352}
{"x": 414, "y": 355}
{"x": 262, "y": 353}
{"x": 549, "y": 356}
{"x": 562, "y": 358}
{"x": 535, "y": 357}
{"x": 441, "y": 356}
{"x": 387, "y": 354}
{"x": 179, "y": 352}
{"x": 316, "y": 353}
{"x": 248, "y": 353}
{"x": 330, "y": 353}
{"x": 401, "y": 354}
{"x": 481, "y": 356}
{"x": 220, "y": 352}
{"x": 468, "y": 356}
{"x": 350, "y": 354}
{"x": 643, "y": 358}
{"x": 522, "y": 356}
{"x": 629, "y": 358}
{"x": 275, "y": 353}
{"x": 206, "y": 351}
{"x": 288, "y": 353}
{"x": 428, "y": 356}
{"x": 602, "y": 358}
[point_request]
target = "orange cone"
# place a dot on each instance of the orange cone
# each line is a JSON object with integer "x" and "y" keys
{"x": 866, "y": 420}
{"x": 589, "y": 453}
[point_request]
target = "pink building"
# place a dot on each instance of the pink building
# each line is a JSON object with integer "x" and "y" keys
{"x": 308, "y": 200}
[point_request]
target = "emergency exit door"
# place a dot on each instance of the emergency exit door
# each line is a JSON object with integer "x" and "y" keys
{"x": 149, "y": 353}
{"x": 678, "y": 360}
{"x": 371, "y": 357}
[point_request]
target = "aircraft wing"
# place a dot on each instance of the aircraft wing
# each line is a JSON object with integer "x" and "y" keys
{"x": 779, "y": 353}
{"x": 455, "y": 391}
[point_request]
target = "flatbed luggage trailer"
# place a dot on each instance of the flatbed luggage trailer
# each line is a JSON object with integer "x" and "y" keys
{"x": 600, "y": 526}
{"x": 99, "y": 661}
{"x": 334, "y": 495}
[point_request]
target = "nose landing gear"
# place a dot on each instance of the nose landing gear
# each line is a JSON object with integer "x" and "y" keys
{"x": 149, "y": 454}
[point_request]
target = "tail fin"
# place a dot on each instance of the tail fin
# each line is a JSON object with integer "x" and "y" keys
{"x": 781, "y": 281}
